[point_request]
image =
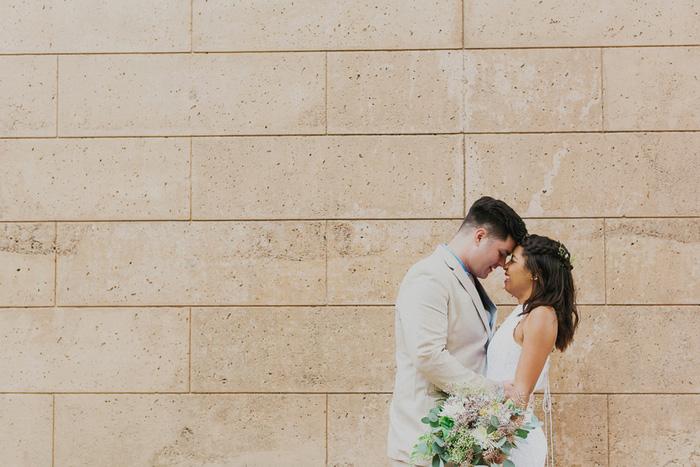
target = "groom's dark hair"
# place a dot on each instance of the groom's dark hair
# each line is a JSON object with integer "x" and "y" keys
{"x": 497, "y": 217}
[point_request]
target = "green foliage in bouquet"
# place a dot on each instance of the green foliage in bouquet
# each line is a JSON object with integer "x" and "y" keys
{"x": 473, "y": 428}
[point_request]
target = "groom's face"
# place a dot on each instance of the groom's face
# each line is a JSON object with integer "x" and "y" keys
{"x": 491, "y": 253}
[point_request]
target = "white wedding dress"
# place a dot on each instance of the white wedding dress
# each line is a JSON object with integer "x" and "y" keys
{"x": 501, "y": 362}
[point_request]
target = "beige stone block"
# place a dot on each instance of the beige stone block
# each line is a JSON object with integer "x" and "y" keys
{"x": 334, "y": 349}
{"x": 27, "y": 264}
{"x": 95, "y": 26}
{"x": 322, "y": 177}
{"x": 587, "y": 175}
{"x": 583, "y": 238}
{"x": 191, "y": 263}
{"x": 27, "y": 96}
{"x": 189, "y": 430}
{"x": 95, "y": 179}
{"x": 367, "y": 260}
{"x": 654, "y": 430}
{"x": 652, "y": 261}
{"x": 26, "y": 430}
{"x": 548, "y": 23}
{"x": 652, "y": 88}
{"x": 94, "y": 350}
{"x": 395, "y": 92}
{"x": 202, "y": 94}
{"x": 579, "y": 427}
{"x": 357, "y": 428}
{"x": 532, "y": 90}
{"x": 311, "y": 25}
{"x": 626, "y": 349}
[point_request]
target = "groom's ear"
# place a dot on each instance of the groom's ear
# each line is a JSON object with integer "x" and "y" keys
{"x": 479, "y": 235}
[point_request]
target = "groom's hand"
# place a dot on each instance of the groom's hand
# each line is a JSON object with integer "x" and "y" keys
{"x": 509, "y": 388}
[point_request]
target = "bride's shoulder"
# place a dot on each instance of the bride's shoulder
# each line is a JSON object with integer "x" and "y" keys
{"x": 541, "y": 319}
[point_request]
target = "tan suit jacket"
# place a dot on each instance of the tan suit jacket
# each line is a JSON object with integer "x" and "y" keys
{"x": 442, "y": 331}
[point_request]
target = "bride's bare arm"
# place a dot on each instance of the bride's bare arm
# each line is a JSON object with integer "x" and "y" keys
{"x": 539, "y": 334}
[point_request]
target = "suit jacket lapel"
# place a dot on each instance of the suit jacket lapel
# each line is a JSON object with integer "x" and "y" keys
{"x": 492, "y": 310}
{"x": 461, "y": 275}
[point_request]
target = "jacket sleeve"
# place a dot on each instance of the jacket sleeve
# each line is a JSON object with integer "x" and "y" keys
{"x": 422, "y": 308}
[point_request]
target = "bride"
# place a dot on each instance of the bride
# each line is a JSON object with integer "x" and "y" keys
{"x": 539, "y": 276}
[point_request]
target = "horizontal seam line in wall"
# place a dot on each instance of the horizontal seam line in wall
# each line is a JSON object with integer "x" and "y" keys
{"x": 322, "y": 219}
{"x": 321, "y": 135}
{"x": 323, "y": 305}
{"x": 358, "y": 50}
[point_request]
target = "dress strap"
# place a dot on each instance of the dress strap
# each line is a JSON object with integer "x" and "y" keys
{"x": 547, "y": 409}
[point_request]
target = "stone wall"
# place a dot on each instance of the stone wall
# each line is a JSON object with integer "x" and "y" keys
{"x": 206, "y": 208}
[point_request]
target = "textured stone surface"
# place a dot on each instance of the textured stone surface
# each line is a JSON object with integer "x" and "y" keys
{"x": 181, "y": 263}
{"x": 652, "y": 88}
{"x": 95, "y": 179}
{"x": 292, "y": 349}
{"x": 186, "y": 430}
{"x": 26, "y": 430}
{"x": 27, "y": 264}
{"x": 311, "y": 25}
{"x": 336, "y": 177}
{"x": 652, "y": 261}
{"x": 665, "y": 434}
{"x": 532, "y": 90}
{"x": 94, "y": 350}
{"x": 368, "y": 260}
{"x": 580, "y": 429}
{"x": 395, "y": 92}
{"x": 588, "y": 175}
{"x": 625, "y": 349}
{"x": 584, "y": 239}
{"x": 203, "y": 94}
{"x": 27, "y": 96}
{"x": 87, "y": 26}
{"x": 550, "y": 23}
{"x": 357, "y": 428}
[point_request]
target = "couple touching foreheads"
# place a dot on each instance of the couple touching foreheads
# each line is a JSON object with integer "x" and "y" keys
{"x": 445, "y": 323}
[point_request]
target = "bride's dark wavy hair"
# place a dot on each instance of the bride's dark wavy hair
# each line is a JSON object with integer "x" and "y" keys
{"x": 550, "y": 263}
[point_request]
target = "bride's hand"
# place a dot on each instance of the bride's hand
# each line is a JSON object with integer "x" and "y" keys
{"x": 509, "y": 388}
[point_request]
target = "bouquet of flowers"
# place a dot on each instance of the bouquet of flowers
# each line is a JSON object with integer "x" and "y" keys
{"x": 473, "y": 428}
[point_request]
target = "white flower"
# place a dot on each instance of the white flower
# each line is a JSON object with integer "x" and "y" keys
{"x": 482, "y": 437}
{"x": 452, "y": 408}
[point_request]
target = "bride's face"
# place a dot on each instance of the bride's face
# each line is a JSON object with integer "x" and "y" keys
{"x": 518, "y": 277}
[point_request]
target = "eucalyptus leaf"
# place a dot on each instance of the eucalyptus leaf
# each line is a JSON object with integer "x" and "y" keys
{"x": 437, "y": 448}
{"x": 508, "y": 463}
{"x": 490, "y": 429}
{"x": 425, "y": 420}
{"x": 494, "y": 421}
{"x": 432, "y": 417}
{"x": 437, "y": 461}
{"x": 422, "y": 448}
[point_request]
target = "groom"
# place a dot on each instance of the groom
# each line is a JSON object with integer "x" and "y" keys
{"x": 444, "y": 319}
